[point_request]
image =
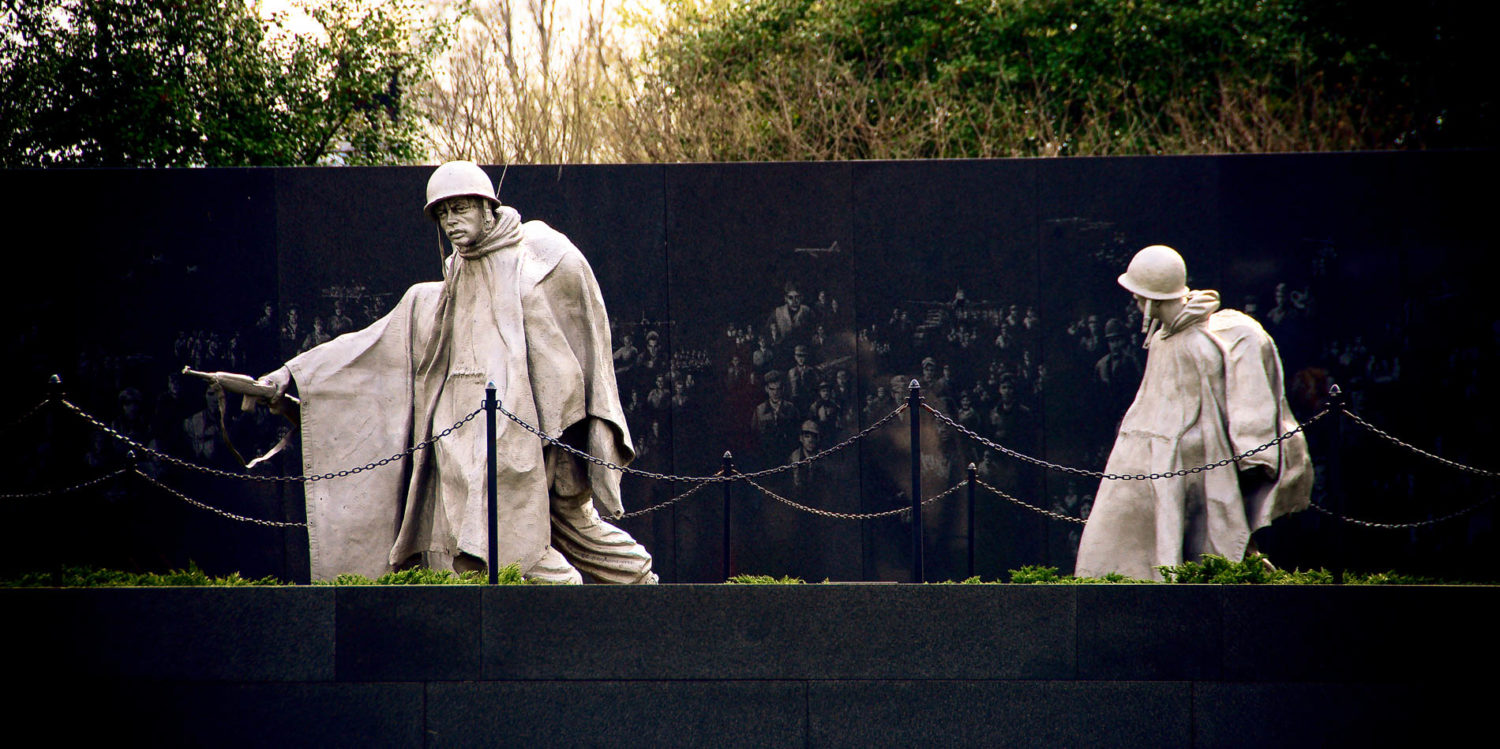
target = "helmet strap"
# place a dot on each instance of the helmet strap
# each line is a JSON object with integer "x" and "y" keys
{"x": 1149, "y": 322}
{"x": 442, "y": 257}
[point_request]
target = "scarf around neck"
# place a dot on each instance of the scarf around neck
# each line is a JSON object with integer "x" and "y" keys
{"x": 505, "y": 233}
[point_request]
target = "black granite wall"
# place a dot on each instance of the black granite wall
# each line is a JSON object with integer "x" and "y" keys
{"x": 992, "y": 282}
{"x": 691, "y": 665}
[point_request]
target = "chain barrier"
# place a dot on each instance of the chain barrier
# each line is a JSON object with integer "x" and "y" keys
{"x": 1388, "y": 437}
{"x": 222, "y": 513}
{"x": 18, "y": 421}
{"x": 76, "y": 487}
{"x": 717, "y": 478}
{"x": 940, "y": 416}
{"x": 1401, "y": 526}
{"x": 700, "y": 482}
{"x": 1029, "y": 506}
{"x": 176, "y": 461}
{"x": 852, "y": 515}
{"x": 672, "y": 501}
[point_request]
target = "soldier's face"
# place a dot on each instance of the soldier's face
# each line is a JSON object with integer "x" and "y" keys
{"x": 462, "y": 219}
{"x": 1140, "y": 304}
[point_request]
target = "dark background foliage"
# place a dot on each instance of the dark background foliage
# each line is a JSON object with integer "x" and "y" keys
{"x": 925, "y": 78}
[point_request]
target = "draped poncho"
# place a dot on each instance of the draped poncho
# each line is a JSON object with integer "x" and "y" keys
{"x": 522, "y": 309}
{"x": 1212, "y": 389}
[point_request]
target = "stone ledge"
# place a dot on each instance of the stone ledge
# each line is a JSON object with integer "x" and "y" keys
{"x": 711, "y": 632}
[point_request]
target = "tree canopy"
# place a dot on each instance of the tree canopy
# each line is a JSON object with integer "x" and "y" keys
{"x": 205, "y": 82}
{"x": 798, "y": 79}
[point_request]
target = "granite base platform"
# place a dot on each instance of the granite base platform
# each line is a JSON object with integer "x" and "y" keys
{"x": 814, "y": 665}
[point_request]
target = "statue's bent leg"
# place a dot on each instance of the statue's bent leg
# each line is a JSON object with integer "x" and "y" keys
{"x": 554, "y": 568}
{"x": 599, "y": 549}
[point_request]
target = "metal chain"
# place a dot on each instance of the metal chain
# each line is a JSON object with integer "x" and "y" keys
{"x": 64, "y": 490}
{"x": 17, "y": 422}
{"x": 1401, "y": 526}
{"x": 1388, "y": 437}
{"x": 716, "y": 478}
{"x": 672, "y": 501}
{"x": 1123, "y": 476}
{"x": 852, "y": 515}
{"x": 1032, "y": 507}
{"x": 215, "y": 510}
{"x": 424, "y": 444}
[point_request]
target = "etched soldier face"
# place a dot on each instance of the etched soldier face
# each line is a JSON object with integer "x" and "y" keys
{"x": 462, "y": 219}
{"x": 1007, "y": 391}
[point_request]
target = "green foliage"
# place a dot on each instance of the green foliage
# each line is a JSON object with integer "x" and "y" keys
{"x": 764, "y": 580}
{"x": 1043, "y": 575}
{"x": 202, "y": 82}
{"x": 1216, "y": 570}
{"x": 1034, "y": 574}
{"x": 934, "y": 78}
{"x": 507, "y": 575}
{"x": 1385, "y": 578}
{"x": 89, "y": 577}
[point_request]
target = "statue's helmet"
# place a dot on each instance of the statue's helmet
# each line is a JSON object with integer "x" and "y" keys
{"x": 1156, "y": 272}
{"x": 458, "y": 179}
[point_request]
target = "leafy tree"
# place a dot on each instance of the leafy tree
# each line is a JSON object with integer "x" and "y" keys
{"x": 205, "y": 82}
{"x": 799, "y": 79}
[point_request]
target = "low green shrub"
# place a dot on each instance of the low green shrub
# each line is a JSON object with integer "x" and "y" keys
{"x": 764, "y": 580}
{"x": 1035, "y": 574}
{"x": 507, "y": 575}
{"x": 91, "y": 577}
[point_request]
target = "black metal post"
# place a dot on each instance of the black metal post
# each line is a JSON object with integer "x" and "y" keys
{"x": 728, "y": 470}
{"x": 1336, "y": 492}
{"x": 914, "y": 412}
{"x": 973, "y": 478}
{"x": 490, "y": 406}
{"x": 55, "y": 392}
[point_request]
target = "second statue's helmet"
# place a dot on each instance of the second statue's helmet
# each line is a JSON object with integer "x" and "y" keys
{"x": 1156, "y": 272}
{"x": 458, "y": 179}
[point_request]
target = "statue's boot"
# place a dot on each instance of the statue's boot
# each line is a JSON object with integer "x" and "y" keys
{"x": 606, "y": 553}
{"x": 553, "y": 567}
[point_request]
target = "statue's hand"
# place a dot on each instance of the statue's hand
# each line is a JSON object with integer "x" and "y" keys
{"x": 279, "y": 380}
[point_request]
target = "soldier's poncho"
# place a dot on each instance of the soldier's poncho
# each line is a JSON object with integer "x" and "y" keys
{"x": 522, "y": 309}
{"x": 1212, "y": 389}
